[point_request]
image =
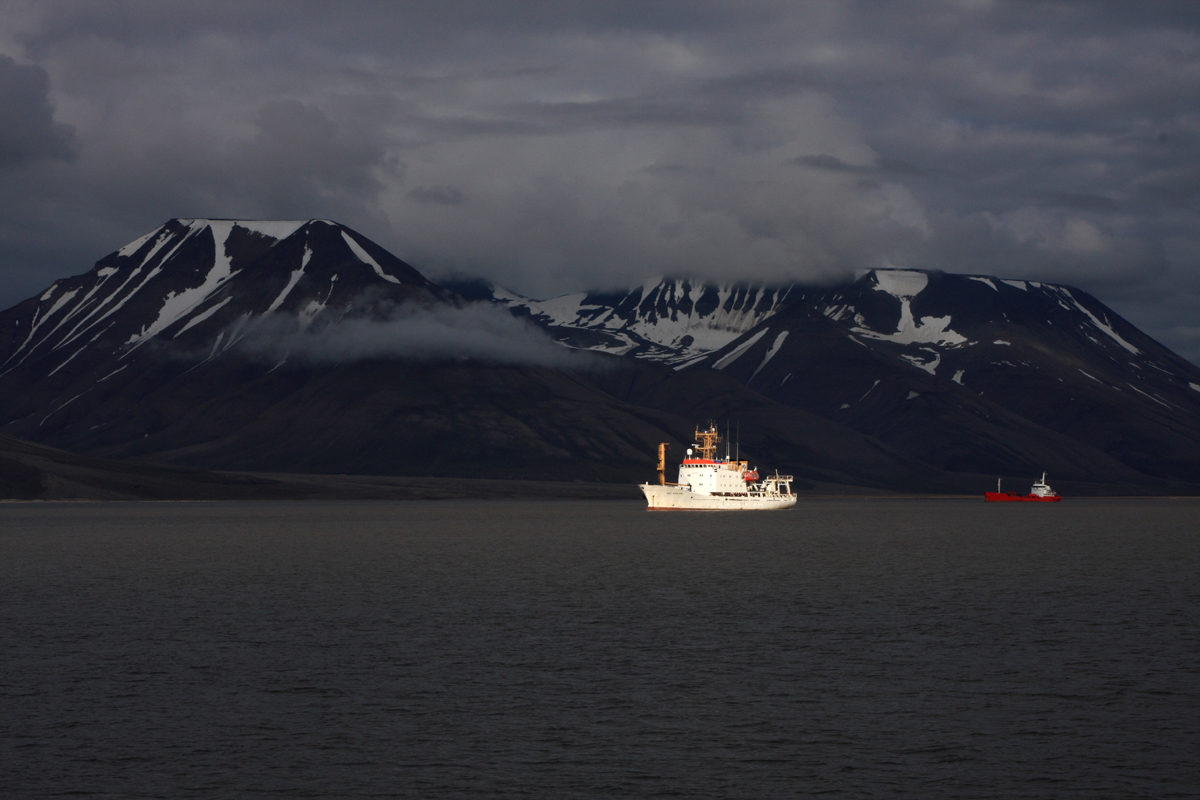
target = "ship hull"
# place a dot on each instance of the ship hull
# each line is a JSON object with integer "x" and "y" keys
{"x": 1013, "y": 497}
{"x": 677, "y": 498}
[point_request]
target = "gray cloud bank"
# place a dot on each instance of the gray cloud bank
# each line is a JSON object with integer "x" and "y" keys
{"x": 476, "y": 331}
{"x": 28, "y": 132}
{"x": 556, "y": 147}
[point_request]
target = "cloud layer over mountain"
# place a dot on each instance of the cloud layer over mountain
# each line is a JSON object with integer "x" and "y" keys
{"x": 555, "y": 147}
{"x": 478, "y": 331}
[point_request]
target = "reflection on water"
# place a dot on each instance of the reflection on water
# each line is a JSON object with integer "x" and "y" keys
{"x": 569, "y": 649}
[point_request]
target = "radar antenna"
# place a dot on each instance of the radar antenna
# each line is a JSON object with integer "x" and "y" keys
{"x": 706, "y": 442}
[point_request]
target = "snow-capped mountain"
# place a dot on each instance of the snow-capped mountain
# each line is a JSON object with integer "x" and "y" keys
{"x": 664, "y": 319}
{"x": 145, "y": 356}
{"x": 967, "y": 372}
{"x": 900, "y": 378}
{"x": 678, "y": 321}
{"x": 960, "y": 326}
{"x": 921, "y": 359}
{"x": 198, "y": 279}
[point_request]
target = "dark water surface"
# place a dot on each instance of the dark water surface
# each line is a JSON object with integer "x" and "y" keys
{"x": 918, "y": 648}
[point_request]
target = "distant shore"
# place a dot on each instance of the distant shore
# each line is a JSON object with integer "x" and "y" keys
{"x": 185, "y": 485}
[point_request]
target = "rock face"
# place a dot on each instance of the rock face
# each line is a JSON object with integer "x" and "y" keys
{"x": 969, "y": 373}
{"x": 666, "y": 320}
{"x": 191, "y": 282}
{"x": 965, "y": 373}
{"x": 303, "y": 346}
{"x": 146, "y": 357}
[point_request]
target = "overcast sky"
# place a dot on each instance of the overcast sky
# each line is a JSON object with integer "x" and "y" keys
{"x": 572, "y": 144}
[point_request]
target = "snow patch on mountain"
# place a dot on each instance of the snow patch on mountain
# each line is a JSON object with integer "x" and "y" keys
{"x": 839, "y": 312}
{"x": 163, "y": 238}
{"x": 778, "y": 343}
{"x": 988, "y": 281}
{"x": 68, "y": 361}
{"x": 1017, "y": 285}
{"x": 570, "y": 310}
{"x": 929, "y": 330}
{"x": 688, "y": 361}
{"x": 1104, "y": 326}
{"x": 920, "y": 363}
{"x": 292, "y": 280}
{"x": 196, "y": 320}
{"x": 661, "y": 312}
{"x": 79, "y": 307}
{"x": 903, "y": 284}
{"x": 114, "y": 372}
{"x": 1151, "y": 397}
{"x": 179, "y": 305}
{"x": 737, "y": 310}
{"x": 739, "y": 351}
{"x": 365, "y": 257}
{"x": 626, "y": 344}
{"x": 39, "y": 320}
{"x": 277, "y": 229}
{"x": 87, "y": 322}
{"x": 61, "y": 407}
{"x": 136, "y": 244}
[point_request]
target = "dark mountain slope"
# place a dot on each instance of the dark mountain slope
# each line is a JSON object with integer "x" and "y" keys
{"x": 190, "y": 289}
{"x": 30, "y": 471}
{"x": 901, "y": 379}
{"x": 142, "y": 358}
{"x": 772, "y": 434}
{"x": 801, "y": 358}
{"x": 973, "y": 374}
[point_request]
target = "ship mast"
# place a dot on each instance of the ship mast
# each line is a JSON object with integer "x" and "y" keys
{"x": 706, "y": 442}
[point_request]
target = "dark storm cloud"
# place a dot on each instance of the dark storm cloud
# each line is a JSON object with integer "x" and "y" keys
{"x": 1081, "y": 202}
{"x": 599, "y": 143}
{"x": 298, "y": 157}
{"x": 28, "y": 131}
{"x": 885, "y": 168}
{"x": 438, "y": 195}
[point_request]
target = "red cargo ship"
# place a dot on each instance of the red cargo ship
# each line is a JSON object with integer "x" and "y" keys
{"x": 1040, "y": 493}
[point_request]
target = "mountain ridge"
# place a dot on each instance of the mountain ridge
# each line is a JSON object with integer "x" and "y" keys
{"x": 898, "y": 379}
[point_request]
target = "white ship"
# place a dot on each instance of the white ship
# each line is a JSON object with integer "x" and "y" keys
{"x": 707, "y": 483}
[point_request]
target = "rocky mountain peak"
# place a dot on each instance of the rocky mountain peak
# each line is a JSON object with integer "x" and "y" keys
{"x": 192, "y": 279}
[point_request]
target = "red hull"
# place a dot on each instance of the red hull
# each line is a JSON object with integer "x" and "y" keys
{"x": 1013, "y": 497}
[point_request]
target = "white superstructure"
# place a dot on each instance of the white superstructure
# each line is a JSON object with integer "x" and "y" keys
{"x": 712, "y": 484}
{"x": 1042, "y": 489}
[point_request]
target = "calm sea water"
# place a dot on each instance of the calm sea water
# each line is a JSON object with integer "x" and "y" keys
{"x": 918, "y": 648}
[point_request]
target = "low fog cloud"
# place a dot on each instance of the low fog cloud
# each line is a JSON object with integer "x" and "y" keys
{"x": 410, "y": 331}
